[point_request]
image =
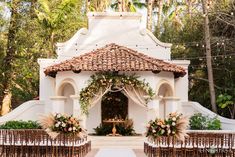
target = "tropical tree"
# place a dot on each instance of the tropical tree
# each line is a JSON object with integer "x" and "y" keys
{"x": 98, "y": 5}
{"x": 8, "y": 60}
{"x": 208, "y": 55}
{"x": 149, "y": 14}
{"x": 52, "y": 16}
{"x": 128, "y": 5}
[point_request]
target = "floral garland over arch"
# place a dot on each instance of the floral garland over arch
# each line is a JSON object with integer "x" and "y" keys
{"x": 101, "y": 81}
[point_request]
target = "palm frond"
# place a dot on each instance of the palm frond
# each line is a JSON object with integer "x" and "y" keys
{"x": 47, "y": 121}
{"x": 181, "y": 126}
{"x": 44, "y": 5}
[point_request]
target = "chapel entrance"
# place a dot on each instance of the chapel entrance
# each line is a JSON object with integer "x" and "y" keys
{"x": 114, "y": 105}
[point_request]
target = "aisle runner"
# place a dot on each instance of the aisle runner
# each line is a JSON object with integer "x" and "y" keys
{"x": 115, "y": 153}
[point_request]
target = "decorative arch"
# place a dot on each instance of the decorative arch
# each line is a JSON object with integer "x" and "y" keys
{"x": 67, "y": 88}
{"x": 64, "y": 83}
{"x": 165, "y": 89}
{"x": 101, "y": 83}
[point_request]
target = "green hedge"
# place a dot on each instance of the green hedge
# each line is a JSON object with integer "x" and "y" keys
{"x": 201, "y": 122}
{"x": 20, "y": 125}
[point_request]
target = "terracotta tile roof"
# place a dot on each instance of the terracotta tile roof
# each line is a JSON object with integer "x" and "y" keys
{"x": 113, "y": 57}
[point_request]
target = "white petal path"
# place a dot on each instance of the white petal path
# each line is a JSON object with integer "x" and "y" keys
{"x": 115, "y": 153}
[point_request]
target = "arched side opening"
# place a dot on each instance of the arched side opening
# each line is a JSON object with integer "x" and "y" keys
{"x": 164, "y": 90}
{"x": 67, "y": 89}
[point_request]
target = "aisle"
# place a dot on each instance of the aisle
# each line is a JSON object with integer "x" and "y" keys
{"x": 107, "y": 152}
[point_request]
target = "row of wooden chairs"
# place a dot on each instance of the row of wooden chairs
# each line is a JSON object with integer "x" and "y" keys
{"x": 37, "y": 143}
{"x": 205, "y": 144}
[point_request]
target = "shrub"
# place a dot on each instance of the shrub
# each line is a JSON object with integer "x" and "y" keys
{"x": 197, "y": 122}
{"x": 20, "y": 125}
{"x": 102, "y": 130}
{"x": 214, "y": 124}
{"x": 125, "y": 129}
{"x": 200, "y": 122}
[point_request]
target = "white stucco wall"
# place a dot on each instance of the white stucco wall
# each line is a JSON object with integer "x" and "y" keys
{"x": 182, "y": 84}
{"x": 120, "y": 28}
{"x": 139, "y": 116}
{"x": 94, "y": 118}
{"x": 30, "y": 110}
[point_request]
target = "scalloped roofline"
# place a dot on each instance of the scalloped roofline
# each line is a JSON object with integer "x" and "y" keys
{"x": 107, "y": 15}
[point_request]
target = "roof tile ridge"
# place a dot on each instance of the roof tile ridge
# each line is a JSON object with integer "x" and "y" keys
{"x": 143, "y": 56}
{"x": 148, "y": 58}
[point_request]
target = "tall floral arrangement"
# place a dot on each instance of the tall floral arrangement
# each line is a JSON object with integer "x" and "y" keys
{"x": 55, "y": 124}
{"x": 174, "y": 125}
{"x": 103, "y": 80}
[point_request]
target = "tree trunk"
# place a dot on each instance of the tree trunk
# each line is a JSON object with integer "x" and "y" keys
{"x": 149, "y": 14}
{"x": 189, "y": 4}
{"x": 208, "y": 56}
{"x": 123, "y": 5}
{"x": 120, "y": 5}
{"x": 52, "y": 45}
{"x": 32, "y": 9}
{"x": 9, "y": 59}
{"x": 159, "y": 17}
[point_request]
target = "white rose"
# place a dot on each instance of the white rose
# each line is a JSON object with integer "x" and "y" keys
{"x": 70, "y": 129}
{"x": 74, "y": 128}
{"x": 58, "y": 115}
{"x": 57, "y": 125}
{"x": 173, "y": 124}
{"x": 174, "y": 119}
{"x": 167, "y": 125}
{"x": 173, "y": 132}
{"x": 63, "y": 125}
{"x": 169, "y": 131}
{"x": 154, "y": 131}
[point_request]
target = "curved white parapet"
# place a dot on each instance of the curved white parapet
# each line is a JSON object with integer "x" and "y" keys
{"x": 194, "y": 107}
{"x": 29, "y": 110}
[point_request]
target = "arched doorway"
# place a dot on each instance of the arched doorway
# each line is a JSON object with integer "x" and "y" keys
{"x": 114, "y": 104}
{"x": 67, "y": 89}
{"x": 164, "y": 90}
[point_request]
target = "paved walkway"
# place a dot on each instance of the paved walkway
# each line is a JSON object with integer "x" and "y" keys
{"x": 115, "y": 153}
{"x": 119, "y": 152}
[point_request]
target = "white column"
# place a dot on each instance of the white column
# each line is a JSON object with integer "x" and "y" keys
{"x": 77, "y": 112}
{"x": 76, "y": 106}
{"x": 171, "y": 104}
{"x": 58, "y": 103}
{"x": 153, "y": 109}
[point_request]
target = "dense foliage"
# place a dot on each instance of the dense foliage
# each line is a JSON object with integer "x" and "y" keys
{"x": 184, "y": 28}
{"x": 20, "y": 125}
{"x": 32, "y": 42}
{"x": 201, "y": 122}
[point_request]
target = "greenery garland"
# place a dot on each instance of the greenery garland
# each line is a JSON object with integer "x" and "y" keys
{"x": 102, "y": 80}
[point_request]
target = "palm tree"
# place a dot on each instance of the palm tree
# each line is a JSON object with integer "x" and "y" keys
{"x": 208, "y": 56}
{"x": 52, "y": 17}
{"x": 98, "y": 5}
{"x": 149, "y": 14}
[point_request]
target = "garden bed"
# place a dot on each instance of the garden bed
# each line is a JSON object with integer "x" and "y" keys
{"x": 36, "y": 142}
{"x": 200, "y": 143}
